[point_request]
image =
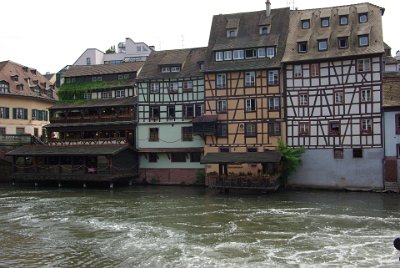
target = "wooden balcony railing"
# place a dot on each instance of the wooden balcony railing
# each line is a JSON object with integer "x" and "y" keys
{"x": 92, "y": 141}
{"x": 94, "y": 118}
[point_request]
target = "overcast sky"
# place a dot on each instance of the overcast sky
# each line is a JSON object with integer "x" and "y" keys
{"x": 49, "y": 34}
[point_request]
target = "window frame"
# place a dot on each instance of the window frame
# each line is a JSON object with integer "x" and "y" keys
{"x": 361, "y": 15}
{"x": 343, "y": 38}
{"x": 222, "y": 130}
{"x": 303, "y": 98}
{"x": 338, "y": 153}
{"x": 334, "y": 130}
{"x": 304, "y": 129}
{"x": 315, "y": 70}
{"x": 187, "y": 133}
{"x": 357, "y": 153}
{"x": 273, "y": 77}
{"x": 361, "y": 38}
{"x": 363, "y": 65}
{"x": 220, "y": 80}
{"x": 366, "y": 126}
{"x": 250, "y": 105}
{"x": 250, "y": 130}
{"x": 365, "y": 95}
{"x": 306, "y": 24}
{"x": 302, "y": 47}
{"x": 250, "y": 79}
{"x": 298, "y": 71}
{"x": 152, "y": 114}
{"x": 325, "y": 19}
{"x": 341, "y": 17}
{"x": 274, "y": 104}
{"x": 336, "y": 94}
{"x": 219, "y": 55}
{"x": 154, "y": 134}
{"x": 274, "y": 128}
{"x": 222, "y": 106}
{"x": 321, "y": 42}
{"x": 397, "y": 123}
{"x": 178, "y": 157}
{"x": 154, "y": 87}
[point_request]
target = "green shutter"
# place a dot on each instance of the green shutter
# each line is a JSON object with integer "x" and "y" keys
{"x": 46, "y": 115}
{"x": 25, "y": 114}
{"x": 7, "y": 113}
{"x": 40, "y": 115}
{"x": 14, "y": 113}
{"x": 34, "y": 113}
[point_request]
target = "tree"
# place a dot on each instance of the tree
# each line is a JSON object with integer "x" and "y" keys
{"x": 111, "y": 50}
{"x": 291, "y": 159}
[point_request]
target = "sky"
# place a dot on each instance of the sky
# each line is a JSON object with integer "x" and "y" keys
{"x": 50, "y": 34}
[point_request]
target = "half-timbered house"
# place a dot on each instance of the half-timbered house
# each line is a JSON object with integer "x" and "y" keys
{"x": 333, "y": 77}
{"x": 243, "y": 92}
{"x": 170, "y": 94}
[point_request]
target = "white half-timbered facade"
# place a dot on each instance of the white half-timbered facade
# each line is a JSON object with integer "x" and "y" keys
{"x": 333, "y": 70}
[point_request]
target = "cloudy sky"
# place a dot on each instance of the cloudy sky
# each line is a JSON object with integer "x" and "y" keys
{"x": 49, "y": 34}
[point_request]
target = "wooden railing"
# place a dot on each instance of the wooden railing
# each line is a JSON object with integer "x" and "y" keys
{"x": 243, "y": 182}
{"x": 94, "y": 118}
{"x": 17, "y": 139}
{"x": 92, "y": 141}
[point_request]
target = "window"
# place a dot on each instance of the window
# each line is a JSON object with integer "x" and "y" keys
{"x": 305, "y": 24}
{"x": 231, "y": 33}
{"x": 324, "y": 22}
{"x": 20, "y": 130}
{"x": 298, "y": 71}
{"x": 171, "y": 112}
{"x": 227, "y": 55}
{"x": 363, "y": 17}
{"x": 363, "y": 65}
{"x": 366, "y": 126}
{"x": 338, "y": 153}
{"x": 304, "y": 128}
{"x": 187, "y": 85}
{"x": 88, "y": 61}
{"x": 120, "y": 93}
{"x": 173, "y": 87}
{"x": 273, "y": 103}
{"x": 154, "y": 112}
{"x": 120, "y": 77}
{"x": 187, "y": 134}
{"x": 219, "y": 56}
{"x": 221, "y": 81}
{"x": 198, "y": 110}
{"x": 250, "y": 53}
{"x": 4, "y": 87}
{"x": 4, "y": 112}
{"x": 339, "y": 97}
{"x": 250, "y": 79}
{"x": 221, "y": 106}
{"x": 188, "y": 111}
{"x": 344, "y": 19}
{"x": 154, "y": 87}
{"x": 3, "y": 131}
{"x": 20, "y": 87}
{"x": 238, "y": 54}
{"x": 334, "y": 128}
{"x": 250, "y": 105}
{"x": 363, "y": 40}
{"x": 303, "y": 98}
{"x": 343, "y": 42}
{"x": 165, "y": 69}
{"x": 106, "y": 95}
{"x": 252, "y": 149}
{"x": 224, "y": 150}
{"x": 274, "y": 128}
{"x": 97, "y": 78}
{"x": 264, "y": 30}
{"x": 87, "y": 96}
{"x": 314, "y": 69}
{"x": 322, "y": 45}
{"x": 397, "y": 123}
{"x": 398, "y": 148}
{"x": 153, "y": 134}
{"x": 302, "y": 47}
{"x": 175, "y": 69}
{"x": 153, "y": 157}
{"x": 273, "y": 77}
{"x": 270, "y": 52}
{"x": 261, "y": 52}
{"x": 20, "y": 113}
{"x": 195, "y": 157}
{"x": 250, "y": 129}
{"x": 365, "y": 95}
{"x": 222, "y": 130}
{"x": 178, "y": 157}
{"x": 357, "y": 153}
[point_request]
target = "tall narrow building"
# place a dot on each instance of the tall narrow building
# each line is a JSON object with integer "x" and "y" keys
{"x": 333, "y": 77}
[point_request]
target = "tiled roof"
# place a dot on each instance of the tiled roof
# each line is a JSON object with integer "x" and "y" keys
{"x": 101, "y": 69}
{"x": 373, "y": 27}
{"x": 128, "y": 101}
{"x": 391, "y": 90}
{"x": 248, "y": 36}
{"x": 21, "y": 77}
{"x": 188, "y": 59}
{"x": 31, "y": 150}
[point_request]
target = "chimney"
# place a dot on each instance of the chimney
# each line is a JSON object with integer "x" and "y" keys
{"x": 268, "y": 8}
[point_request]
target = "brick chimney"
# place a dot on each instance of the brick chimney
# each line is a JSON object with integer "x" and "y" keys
{"x": 268, "y": 8}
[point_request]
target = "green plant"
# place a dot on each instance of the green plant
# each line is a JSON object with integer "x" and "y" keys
{"x": 291, "y": 159}
{"x": 154, "y": 180}
{"x": 200, "y": 178}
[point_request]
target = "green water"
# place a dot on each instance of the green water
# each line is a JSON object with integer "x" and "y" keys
{"x": 196, "y": 227}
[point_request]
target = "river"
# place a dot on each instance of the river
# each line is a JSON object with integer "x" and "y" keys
{"x": 146, "y": 226}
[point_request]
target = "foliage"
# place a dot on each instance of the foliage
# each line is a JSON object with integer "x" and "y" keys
{"x": 291, "y": 159}
{"x": 200, "y": 178}
{"x": 111, "y": 50}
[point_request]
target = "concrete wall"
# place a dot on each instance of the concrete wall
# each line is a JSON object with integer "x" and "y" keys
{"x": 188, "y": 176}
{"x": 321, "y": 170}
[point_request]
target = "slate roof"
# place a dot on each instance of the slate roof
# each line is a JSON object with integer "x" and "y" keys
{"x": 391, "y": 90}
{"x": 188, "y": 59}
{"x": 248, "y": 36}
{"x": 128, "y": 101}
{"x": 29, "y": 78}
{"x": 239, "y": 158}
{"x": 102, "y": 69}
{"x": 31, "y": 150}
{"x": 373, "y": 27}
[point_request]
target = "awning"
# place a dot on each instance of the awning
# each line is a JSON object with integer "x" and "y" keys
{"x": 241, "y": 158}
{"x": 171, "y": 150}
{"x": 44, "y": 150}
{"x": 205, "y": 119}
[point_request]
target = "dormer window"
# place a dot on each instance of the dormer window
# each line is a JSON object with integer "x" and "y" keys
{"x": 343, "y": 42}
{"x": 302, "y": 47}
{"x": 363, "y": 40}
{"x": 250, "y": 53}
{"x": 363, "y": 17}
{"x": 228, "y": 55}
{"x": 344, "y": 19}
{"x": 270, "y": 52}
{"x": 14, "y": 77}
{"x": 33, "y": 71}
{"x": 165, "y": 69}
{"x": 170, "y": 69}
{"x": 264, "y": 30}
{"x": 305, "y": 24}
{"x": 175, "y": 69}
{"x": 4, "y": 87}
{"x": 231, "y": 33}
{"x": 219, "y": 56}
{"x": 324, "y": 22}
{"x": 322, "y": 45}
{"x": 97, "y": 78}
{"x": 20, "y": 87}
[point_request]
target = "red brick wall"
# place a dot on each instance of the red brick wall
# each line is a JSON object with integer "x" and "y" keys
{"x": 169, "y": 176}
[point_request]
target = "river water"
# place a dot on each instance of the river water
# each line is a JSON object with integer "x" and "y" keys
{"x": 196, "y": 227}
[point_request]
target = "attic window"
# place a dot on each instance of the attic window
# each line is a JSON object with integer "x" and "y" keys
{"x": 264, "y": 30}
{"x": 344, "y": 20}
{"x": 231, "y": 33}
{"x": 14, "y": 77}
{"x": 33, "y": 71}
{"x": 363, "y": 17}
{"x": 250, "y": 53}
{"x": 20, "y": 87}
{"x": 170, "y": 69}
{"x": 324, "y": 22}
{"x": 25, "y": 68}
{"x": 305, "y": 24}
{"x": 4, "y": 87}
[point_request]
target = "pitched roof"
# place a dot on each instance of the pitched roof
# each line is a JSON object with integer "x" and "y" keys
{"x": 239, "y": 158}
{"x": 128, "y": 101}
{"x": 102, "y": 69}
{"x": 373, "y": 28}
{"x": 23, "y": 80}
{"x": 248, "y": 36}
{"x": 30, "y": 150}
{"x": 188, "y": 59}
{"x": 391, "y": 90}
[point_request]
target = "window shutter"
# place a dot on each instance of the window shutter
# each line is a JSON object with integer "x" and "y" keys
{"x": 25, "y": 114}
{"x": 7, "y": 113}
{"x": 40, "y": 115}
{"x": 14, "y": 113}
{"x": 46, "y": 115}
